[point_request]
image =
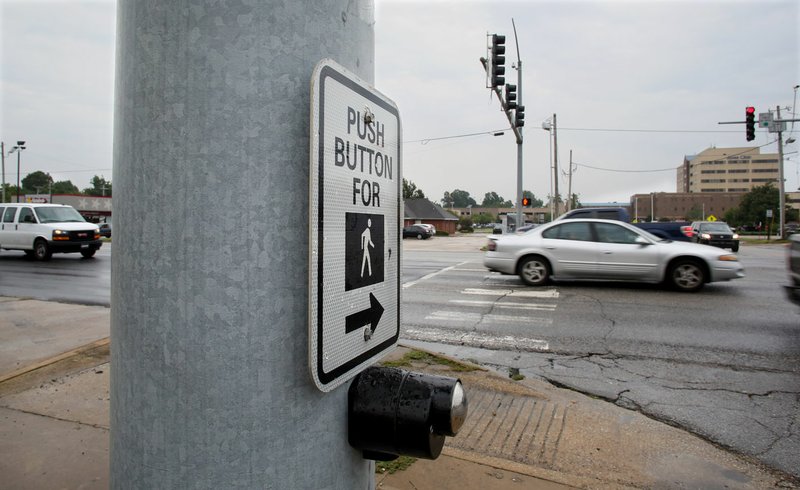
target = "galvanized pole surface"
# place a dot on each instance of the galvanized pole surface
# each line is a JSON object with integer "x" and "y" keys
{"x": 3, "y": 160}
{"x": 520, "y": 216}
{"x": 555, "y": 165}
{"x": 210, "y": 383}
{"x": 781, "y": 187}
{"x": 569, "y": 184}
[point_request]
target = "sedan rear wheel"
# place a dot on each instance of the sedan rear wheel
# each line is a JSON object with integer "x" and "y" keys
{"x": 419, "y": 236}
{"x": 534, "y": 271}
{"x": 687, "y": 275}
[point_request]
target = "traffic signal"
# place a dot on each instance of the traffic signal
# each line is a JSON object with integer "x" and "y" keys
{"x": 750, "y": 123}
{"x": 498, "y": 60}
{"x": 526, "y": 202}
{"x": 519, "y": 119}
{"x": 511, "y": 96}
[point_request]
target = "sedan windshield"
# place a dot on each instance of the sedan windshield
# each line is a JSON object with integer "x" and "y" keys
{"x": 59, "y": 215}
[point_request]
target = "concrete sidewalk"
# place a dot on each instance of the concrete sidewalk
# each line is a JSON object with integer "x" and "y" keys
{"x": 54, "y": 424}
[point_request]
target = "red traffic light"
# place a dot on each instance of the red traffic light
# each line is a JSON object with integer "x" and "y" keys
{"x": 750, "y": 110}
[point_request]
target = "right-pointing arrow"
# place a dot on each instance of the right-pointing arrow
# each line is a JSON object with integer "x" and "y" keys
{"x": 371, "y": 316}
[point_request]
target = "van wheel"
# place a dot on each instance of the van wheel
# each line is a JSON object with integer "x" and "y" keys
{"x": 41, "y": 251}
{"x": 88, "y": 254}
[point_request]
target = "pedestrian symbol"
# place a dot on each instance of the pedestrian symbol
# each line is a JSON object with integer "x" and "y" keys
{"x": 366, "y": 242}
{"x": 364, "y": 238}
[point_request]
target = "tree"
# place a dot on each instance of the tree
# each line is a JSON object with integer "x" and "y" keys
{"x": 410, "y": 190}
{"x": 100, "y": 187}
{"x": 36, "y": 182}
{"x": 493, "y": 200}
{"x": 458, "y": 199}
{"x": 65, "y": 187}
{"x": 754, "y": 205}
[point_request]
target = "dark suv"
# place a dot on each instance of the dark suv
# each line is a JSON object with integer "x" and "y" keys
{"x": 715, "y": 233}
{"x": 793, "y": 256}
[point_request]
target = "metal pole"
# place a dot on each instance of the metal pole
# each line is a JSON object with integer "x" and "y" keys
{"x": 19, "y": 152}
{"x": 652, "y": 207}
{"x": 555, "y": 163}
{"x": 210, "y": 386}
{"x": 782, "y": 198}
{"x": 3, "y": 159}
{"x": 569, "y": 184}
{"x": 520, "y": 216}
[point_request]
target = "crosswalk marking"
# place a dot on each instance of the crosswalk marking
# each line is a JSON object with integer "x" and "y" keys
{"x": 466, "y": 317}
{"x": 510, "y": 306}
{"x": 476, "y": 339}
{"x": 523, "y": 293}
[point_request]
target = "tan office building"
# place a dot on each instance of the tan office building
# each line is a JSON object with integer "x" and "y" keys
{"x": 727, "y": 170}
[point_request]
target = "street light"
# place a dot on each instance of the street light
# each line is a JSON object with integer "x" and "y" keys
{"x": 18, "y": 149}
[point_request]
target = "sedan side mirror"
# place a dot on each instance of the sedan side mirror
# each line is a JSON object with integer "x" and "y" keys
{"x": 642, "y": 240}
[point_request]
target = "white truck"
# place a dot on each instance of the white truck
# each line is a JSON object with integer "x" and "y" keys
{"x": 40, "y": 230}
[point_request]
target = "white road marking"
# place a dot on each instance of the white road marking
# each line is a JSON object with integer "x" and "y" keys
{"x": 463, "y": 317}
{"x": 432, "y": 274}
{"x": 525, "y": 293}
{"x": 476, "y": 339}
{"x": 511, "y": 306}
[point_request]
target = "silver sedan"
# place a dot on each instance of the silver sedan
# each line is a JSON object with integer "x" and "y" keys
{"x": 595, "y": 249}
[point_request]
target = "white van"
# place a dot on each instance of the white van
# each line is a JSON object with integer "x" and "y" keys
{"x": 41, "y": 230}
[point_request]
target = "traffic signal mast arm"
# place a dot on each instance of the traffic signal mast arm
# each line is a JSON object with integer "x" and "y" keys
{"x": 509, "y": 112}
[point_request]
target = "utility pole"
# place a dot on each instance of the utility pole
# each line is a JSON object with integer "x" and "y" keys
{"x": 210, "y": 385}
{"x": 555, "y": 165}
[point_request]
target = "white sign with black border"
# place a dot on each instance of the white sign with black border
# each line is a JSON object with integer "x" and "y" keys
{"x": 355, "y": 215}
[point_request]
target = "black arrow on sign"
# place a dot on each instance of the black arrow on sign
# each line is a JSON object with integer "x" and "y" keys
{"x": 371, "y": 316}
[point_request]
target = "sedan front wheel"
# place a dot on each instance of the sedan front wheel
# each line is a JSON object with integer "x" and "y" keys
{"x": 687, "y": 275}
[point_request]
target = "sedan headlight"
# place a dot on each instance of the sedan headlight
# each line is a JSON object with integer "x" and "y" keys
{"x": 728, "y": 258}
{"x": 735, "y": 236}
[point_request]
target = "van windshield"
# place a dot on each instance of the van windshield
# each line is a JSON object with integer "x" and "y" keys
{"x": 59, "y": 215}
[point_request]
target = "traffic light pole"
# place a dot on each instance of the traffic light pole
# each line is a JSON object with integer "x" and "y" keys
{"x": 781, "y": 193}
{"x": 210, "y": 384}
{"x": 518, "y": 133}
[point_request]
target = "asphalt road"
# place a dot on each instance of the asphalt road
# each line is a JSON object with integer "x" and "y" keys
{"x": 723, "y": 363}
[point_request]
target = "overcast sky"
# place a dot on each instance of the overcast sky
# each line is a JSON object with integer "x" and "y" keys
{"x": 636, "y": 85}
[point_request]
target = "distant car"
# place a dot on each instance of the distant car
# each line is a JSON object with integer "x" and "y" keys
{"x": 429, "y": 226}
{"x": 716, "y": 234}
{"x": 105, "y": 230}
{"x": 417, "y": 231}
{"x": 595, "y": 249}
{"x": 528, "y": 227}
{"x": 793, "y": 260}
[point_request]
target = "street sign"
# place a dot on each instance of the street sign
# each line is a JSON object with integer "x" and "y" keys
{"x": 355, "y": 213}
{"x": 769, "y": 213}
{"x": 711, "y": 217}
